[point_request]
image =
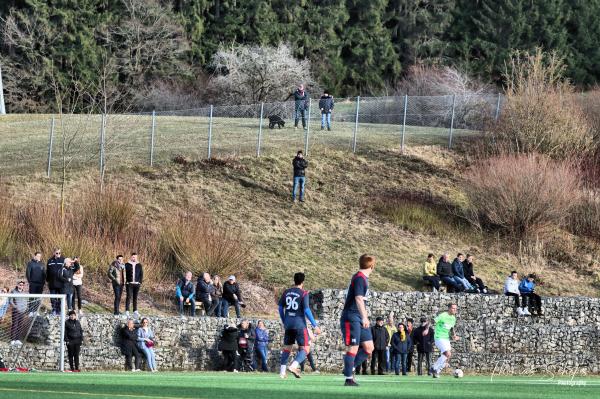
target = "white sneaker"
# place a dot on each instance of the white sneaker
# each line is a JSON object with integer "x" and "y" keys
{"x": 235, "y": 371}
{"x": 127, "y": 314}
{"x": 519, "y": 312}
{"x": 135, "y": 370}
{"x": 136, "y": 314}
{"x": 12, "y": 343}
{"x": 282, "y": 375}
{"x": 316, "y": 372}
{"x": 80, "y": 312}
{"x": 18, "y": 343}
{"x": 526, "y": 312}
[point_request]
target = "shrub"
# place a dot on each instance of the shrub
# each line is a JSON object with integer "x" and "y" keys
{"x": 108, "y": 213}
{"x": 540, "y": 114}
{"x": 585, "y": 216}
{"x": 522, "y": 194}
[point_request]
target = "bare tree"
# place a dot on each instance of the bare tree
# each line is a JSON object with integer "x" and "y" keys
{"x": 251, "y": 74}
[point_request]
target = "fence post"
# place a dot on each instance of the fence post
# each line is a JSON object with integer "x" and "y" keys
{"x": 404, "y": 123}
{"x": 355, "y": 125}
{"x": 307, "y": 128}
{"x": 452, "y": 122}
{"x": 102, "y": 132}
{"x": 260, "y": 123}
{"x": 50, "y": 144}
{"x": 210, "y": 117}
{"x": 497, "y": 108}
{"x": 152, "y": 132}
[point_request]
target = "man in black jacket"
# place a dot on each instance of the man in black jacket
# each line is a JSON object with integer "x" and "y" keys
{"x": 381, "y": 338}
{"x": 55, "y": 283}
{"x": 326, "y": 105}
{"x": 299, "y": 164}
{"x": 444, "y": 270}
{"x": 74, "y": 339}
{"x": 422, "y": 336}
{"x": 228, "y": 344}
{"x": 471, "y": 277}
{"x": 36, "y": 274}
{"x": 232, "y": 296}
{"x": 134, "y": 275}
{"x": 204, "y": 292}
{"x": 129, "y": 346}
{"x": 301, "y": 100}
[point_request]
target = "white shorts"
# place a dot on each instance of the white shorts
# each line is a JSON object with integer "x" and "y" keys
{"x": 443, "y": 345}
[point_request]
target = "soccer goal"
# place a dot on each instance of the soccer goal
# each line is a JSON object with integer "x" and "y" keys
{"x": 32, "y": 334}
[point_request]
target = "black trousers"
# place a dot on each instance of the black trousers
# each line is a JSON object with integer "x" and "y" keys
{"x": 209, "y": 307}
{"x": 77, "y": 297}
{"x": 134, "y": 352}
{"x": 55, "y": 301}
{"x": 434, "y": 280}
{"x": 73, "y": 353}
{"x": 516, "y": 296}
{"x": 477, "y": 282}
{"x": 427, "y": 357}
{"x": 118, "y": 291}
{"x": 378, "y": 357}
{"x": 229, "y": 360}
{"x": 532, "y": 300}
{"x": 409, "y": 360}
{"x": 34, "y": 303}
{"x": 132, "y": 293}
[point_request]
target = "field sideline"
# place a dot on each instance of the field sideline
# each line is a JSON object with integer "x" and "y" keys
{"x": 172, "y": 385}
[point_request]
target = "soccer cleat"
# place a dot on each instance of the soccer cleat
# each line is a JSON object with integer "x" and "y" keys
{"x": 436, "y": 375}
{"x": 350, "y": 383}
{"x": 294, "y": 371}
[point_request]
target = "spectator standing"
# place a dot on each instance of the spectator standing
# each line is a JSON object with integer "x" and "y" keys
{"x": 66, "y": 275}
{"x": 423, "y": 339}
{"x": 326, "y": 105}
{"x": 444, "y": 270}
{"x": 262, "y": 346}
{"x": 391, "y": 329}
{"x": 301, "y": 100}
{"x": 129, "y": 347}
{"x": 471, "y": 277}
{"x": 73, "y": 339}
{"x": 19, "y": 310}
{"x": 531, "y": 300}
{"x": 411, "y": 348}
{"x": 430, "y": 273}
{"x": 228, "y": 345}
{"x": 36, "y": 274}
{"x": 511, "y": 288}
{"x": 300, "y": 164}
{"x": 459, "y": 273}
{"x": 134, "y": 275}
{"x": 380, "y": 341}
{"x": 186, "y": 293}
{"x": 246, "y": 340}
{"x": 232, "y": 297}
{"x": 77, "y": 285}
{"x": 145, "y": 343}
{"x": 116, "y": 274}
{"x": 4, "y": 302}
{"x": 217, "y": 296}
{"x": 55, "y": 284}
{"x": 400, "y": 346}
{"x": 204, "y": 293}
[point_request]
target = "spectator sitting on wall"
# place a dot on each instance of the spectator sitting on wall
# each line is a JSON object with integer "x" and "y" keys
{"x": 73, "y": 339}
{"x": 300, "y": 164}
{"x": 228, "y": 345}
{"x": 511, "y": 288}
{"x": 204, "y": 293}
{"x": 246, "y": 339}
{"x": 217, "y": 296}
{"x": 129, "y": 347}
{"x": 444, "y": 270}
{"x": 423, "y": 339}
{"x": 459, "y": 273}
{"x": 471, "y": 277}
{"x": 232, "y": 297}
{"x": 531, "y": 300}
{"x": 146, "y": 342}
{"x": 430, "y": 273}
{"x": 186, "y": 293}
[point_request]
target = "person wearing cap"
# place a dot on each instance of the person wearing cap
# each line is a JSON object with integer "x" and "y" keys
{"x": 73, "y": 339}
{"x": 232, "y": 297}
{"x": 380, "y": 341}
{"x": 423, "y": 339}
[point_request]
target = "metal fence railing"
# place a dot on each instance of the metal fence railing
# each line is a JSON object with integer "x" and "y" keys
{"x": 42, "y": 143}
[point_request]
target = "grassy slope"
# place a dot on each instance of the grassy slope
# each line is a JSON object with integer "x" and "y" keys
{"x": 267, "y": 386}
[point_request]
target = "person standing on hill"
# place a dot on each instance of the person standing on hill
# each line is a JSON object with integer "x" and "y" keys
{"x": 134, "y": 274}
{"x": 300, "y": 164}
{"x": 36, "y": 274}
{"x": 77, "y": 286}
{"x": 326, "y": 105}
{"x": 74, "y": 339}
{"x": 70, "y": 267}
{"x": 301, "y": 99}
{"x": 116, "y": 274}
{"x": 55, "y": 284}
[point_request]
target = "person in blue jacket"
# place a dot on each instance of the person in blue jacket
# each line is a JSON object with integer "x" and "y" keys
{"x": 459, "y": 273}
{"x": 261, "y": 346}
{"x": 401, "y": 343}
{"x": 531, "y": 300}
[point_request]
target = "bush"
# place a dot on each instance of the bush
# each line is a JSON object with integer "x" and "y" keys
{"x": 522, "y": 194}
{"x": 540, "y": 114}
{"x": 584, "y": 219}
{"x": 108, "y": 213}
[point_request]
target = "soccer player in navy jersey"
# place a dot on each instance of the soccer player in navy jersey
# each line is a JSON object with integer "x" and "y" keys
{"x": 294, "y": 310}
{"x": 355, "y": 320}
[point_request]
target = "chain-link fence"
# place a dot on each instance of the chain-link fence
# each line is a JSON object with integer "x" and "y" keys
{"x": 44, "y": 144}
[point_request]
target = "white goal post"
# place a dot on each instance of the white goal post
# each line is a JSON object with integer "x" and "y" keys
{"x": 19, "y": 314}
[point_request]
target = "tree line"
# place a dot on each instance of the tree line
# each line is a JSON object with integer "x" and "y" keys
{"x": 131, "y": 50}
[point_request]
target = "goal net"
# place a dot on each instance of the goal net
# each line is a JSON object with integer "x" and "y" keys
{"x": 32, "y": 332}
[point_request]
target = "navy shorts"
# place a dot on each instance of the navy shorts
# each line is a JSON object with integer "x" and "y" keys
{"x": 292, "y": 336}
{"x": 353, "y": 333}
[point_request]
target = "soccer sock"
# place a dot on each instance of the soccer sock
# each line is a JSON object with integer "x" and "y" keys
{"x": 285, "y": 355}
{"x": 300, "y": 357}
{"x": 349, "y": 364}
{"x": 440, "y": 363}
{"x": 361, "y": 356}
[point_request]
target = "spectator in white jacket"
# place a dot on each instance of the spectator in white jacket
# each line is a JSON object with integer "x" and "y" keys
{"x": 511, "y": 288}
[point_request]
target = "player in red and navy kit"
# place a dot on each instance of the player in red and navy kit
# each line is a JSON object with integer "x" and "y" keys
{"x": 355, "y": 320}
{"x": 294, "y": 310}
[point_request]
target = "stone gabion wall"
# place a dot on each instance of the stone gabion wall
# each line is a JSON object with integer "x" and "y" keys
{"x": 566, "y": 340}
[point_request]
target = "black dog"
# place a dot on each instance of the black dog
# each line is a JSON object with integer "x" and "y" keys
{"x": 276, "y": 120}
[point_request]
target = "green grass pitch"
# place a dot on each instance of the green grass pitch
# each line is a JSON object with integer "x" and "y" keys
{"x": 173, "y": 385}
